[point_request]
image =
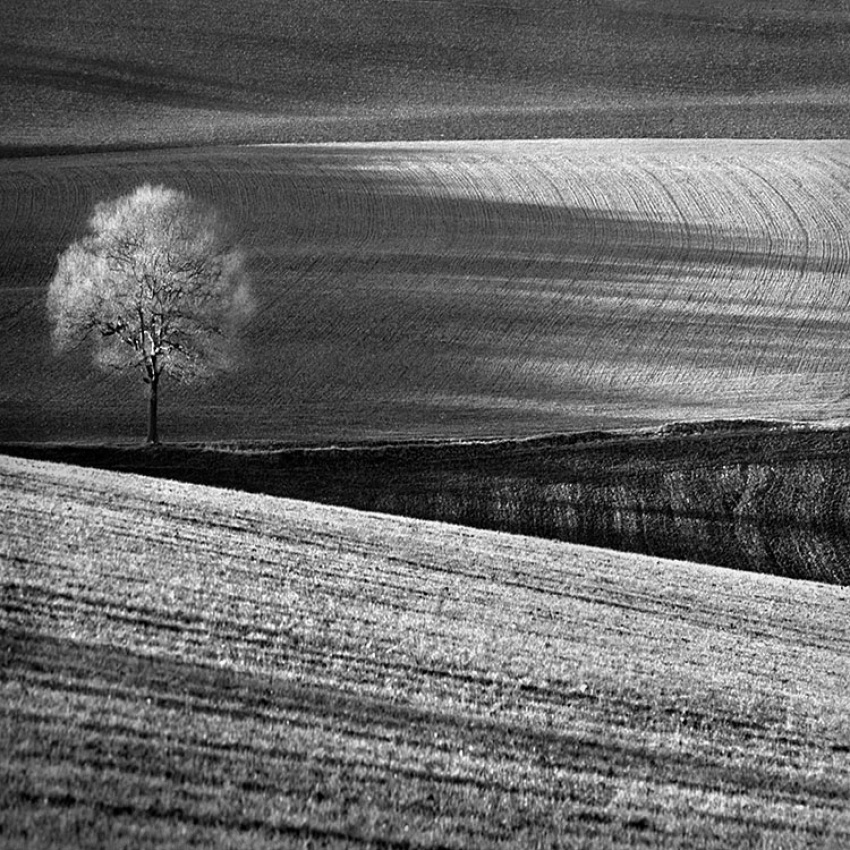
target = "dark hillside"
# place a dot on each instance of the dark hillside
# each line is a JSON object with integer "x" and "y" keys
{"x": 752, "y": 496}
{"x": 100, "y": 73}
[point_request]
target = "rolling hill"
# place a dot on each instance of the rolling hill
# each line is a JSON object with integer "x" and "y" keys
{"x": 757, "y": 496}
{"x": 184, "y": 664}
{"x": 466, "y": 289}
{"x": 151, "y": 73}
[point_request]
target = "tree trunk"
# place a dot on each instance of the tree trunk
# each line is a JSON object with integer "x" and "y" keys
{"x": 153, "y": 398}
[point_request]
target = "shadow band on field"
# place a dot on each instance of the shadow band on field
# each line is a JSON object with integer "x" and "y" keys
{"x": 124, "y": 79}
{"x": 265, "y": 707}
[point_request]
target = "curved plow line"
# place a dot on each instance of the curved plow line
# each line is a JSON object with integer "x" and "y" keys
{"x": 741, "y": 289}
{"x": 657, "y": 203}
{"x": 799, "y": 286}
{"x": 648, "y": 209}
{"x": 767, "y": 219}
{"x": 643, "y": 196}
{"x": 824, "y": 259}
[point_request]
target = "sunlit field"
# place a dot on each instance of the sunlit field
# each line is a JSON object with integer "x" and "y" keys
{"x": 190, "y": 665}
{"x": 467, "y": 288}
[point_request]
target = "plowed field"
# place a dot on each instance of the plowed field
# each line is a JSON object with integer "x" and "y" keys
{"x": 183, "y": 665}
{"x": 468, "y": 288}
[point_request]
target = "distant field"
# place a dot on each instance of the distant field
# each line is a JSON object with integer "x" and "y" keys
{"x": 186, "y": 665}
{"x": 467, "y": 289}
{"x": 100, "y": 73}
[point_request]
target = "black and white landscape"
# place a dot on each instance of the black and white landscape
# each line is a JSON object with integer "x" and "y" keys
{"x": 513, "y": 510}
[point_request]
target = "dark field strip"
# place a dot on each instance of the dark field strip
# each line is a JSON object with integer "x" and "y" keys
{"x": 759, "y": 496}
{"x": 156, "y": 73}
{"x": 186, "y": 665}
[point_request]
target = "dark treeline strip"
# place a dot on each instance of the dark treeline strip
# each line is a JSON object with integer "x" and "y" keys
{"x": 751, "y": 496}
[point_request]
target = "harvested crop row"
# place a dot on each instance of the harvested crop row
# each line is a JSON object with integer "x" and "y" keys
{"x": 472, "y": 288}
{"x": 231, "y": 668}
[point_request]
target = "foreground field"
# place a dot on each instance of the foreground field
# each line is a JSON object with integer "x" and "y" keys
{"x": 467, "y": 289}
{"x": 183, "y": 664}
{"x": 155, "y": 72}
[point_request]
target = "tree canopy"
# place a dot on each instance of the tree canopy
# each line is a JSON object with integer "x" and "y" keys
{"x": 155, "y": 285}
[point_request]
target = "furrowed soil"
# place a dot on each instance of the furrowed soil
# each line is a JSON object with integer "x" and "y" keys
{"x": 465, "y": 289}
{"x": 152, "y": 73}
{"x": 186, "y": 665}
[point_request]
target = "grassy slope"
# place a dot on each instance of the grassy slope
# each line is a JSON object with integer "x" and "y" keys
{"x": 187, "y": 664}
{"x": 467, "y": 289}
{"x": 154, "y": 72}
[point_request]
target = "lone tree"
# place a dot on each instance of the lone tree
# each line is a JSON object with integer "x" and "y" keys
{"x": 155, "y": 286}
